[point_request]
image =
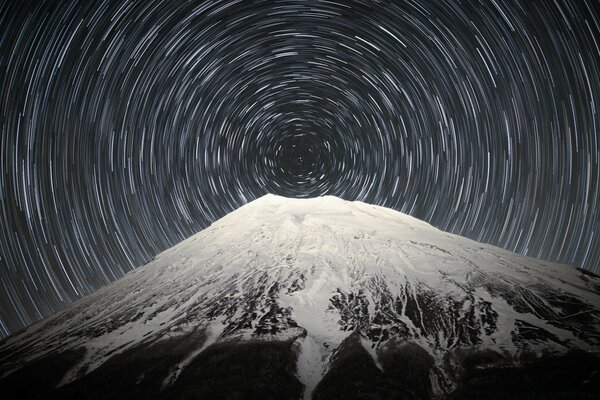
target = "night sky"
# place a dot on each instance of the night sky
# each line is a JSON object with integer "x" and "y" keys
{"x": 127, "y": 126}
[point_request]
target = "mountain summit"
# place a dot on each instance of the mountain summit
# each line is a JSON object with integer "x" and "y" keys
{"x": 319, "y": 298}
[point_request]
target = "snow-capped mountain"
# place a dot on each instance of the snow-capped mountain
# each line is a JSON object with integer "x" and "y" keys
{"x": 318, "y": 298}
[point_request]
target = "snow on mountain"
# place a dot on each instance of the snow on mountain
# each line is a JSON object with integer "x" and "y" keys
{"x": 316, "y": 271}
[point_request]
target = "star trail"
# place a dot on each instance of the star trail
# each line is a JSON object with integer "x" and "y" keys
{"x": 127, "y": 126}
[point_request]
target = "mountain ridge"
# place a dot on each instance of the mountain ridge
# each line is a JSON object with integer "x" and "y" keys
{"x": 322, "y": 275}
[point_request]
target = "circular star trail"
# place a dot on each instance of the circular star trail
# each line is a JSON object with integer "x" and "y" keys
{"x": 127, "y": 126}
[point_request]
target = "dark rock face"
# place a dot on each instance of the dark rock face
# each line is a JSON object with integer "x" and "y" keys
{"x": 38, "y": 379}
{"x": 245, "y": 370}
{"x": 354, "y": 375}
{"x": 574, "y": 375}
{"x": 236, "y": 370}
{"x": 266, "y": 370}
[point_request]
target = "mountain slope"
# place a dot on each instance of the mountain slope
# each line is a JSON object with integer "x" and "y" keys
{"x": 324, "y": 280}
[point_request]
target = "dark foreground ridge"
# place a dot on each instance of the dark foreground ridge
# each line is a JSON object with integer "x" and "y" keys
{"x": 265, "y": 370}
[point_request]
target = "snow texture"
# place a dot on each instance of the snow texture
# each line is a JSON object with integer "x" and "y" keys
{"x": 317, "y": 270}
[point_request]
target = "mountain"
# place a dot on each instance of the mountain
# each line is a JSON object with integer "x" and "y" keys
{"x": 325, "y": 299}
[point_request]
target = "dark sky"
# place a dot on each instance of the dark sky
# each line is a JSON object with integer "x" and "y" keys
{"x": 127, "y": 126}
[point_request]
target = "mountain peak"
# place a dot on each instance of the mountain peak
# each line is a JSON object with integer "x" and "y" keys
{"x": 324, "y": 278}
